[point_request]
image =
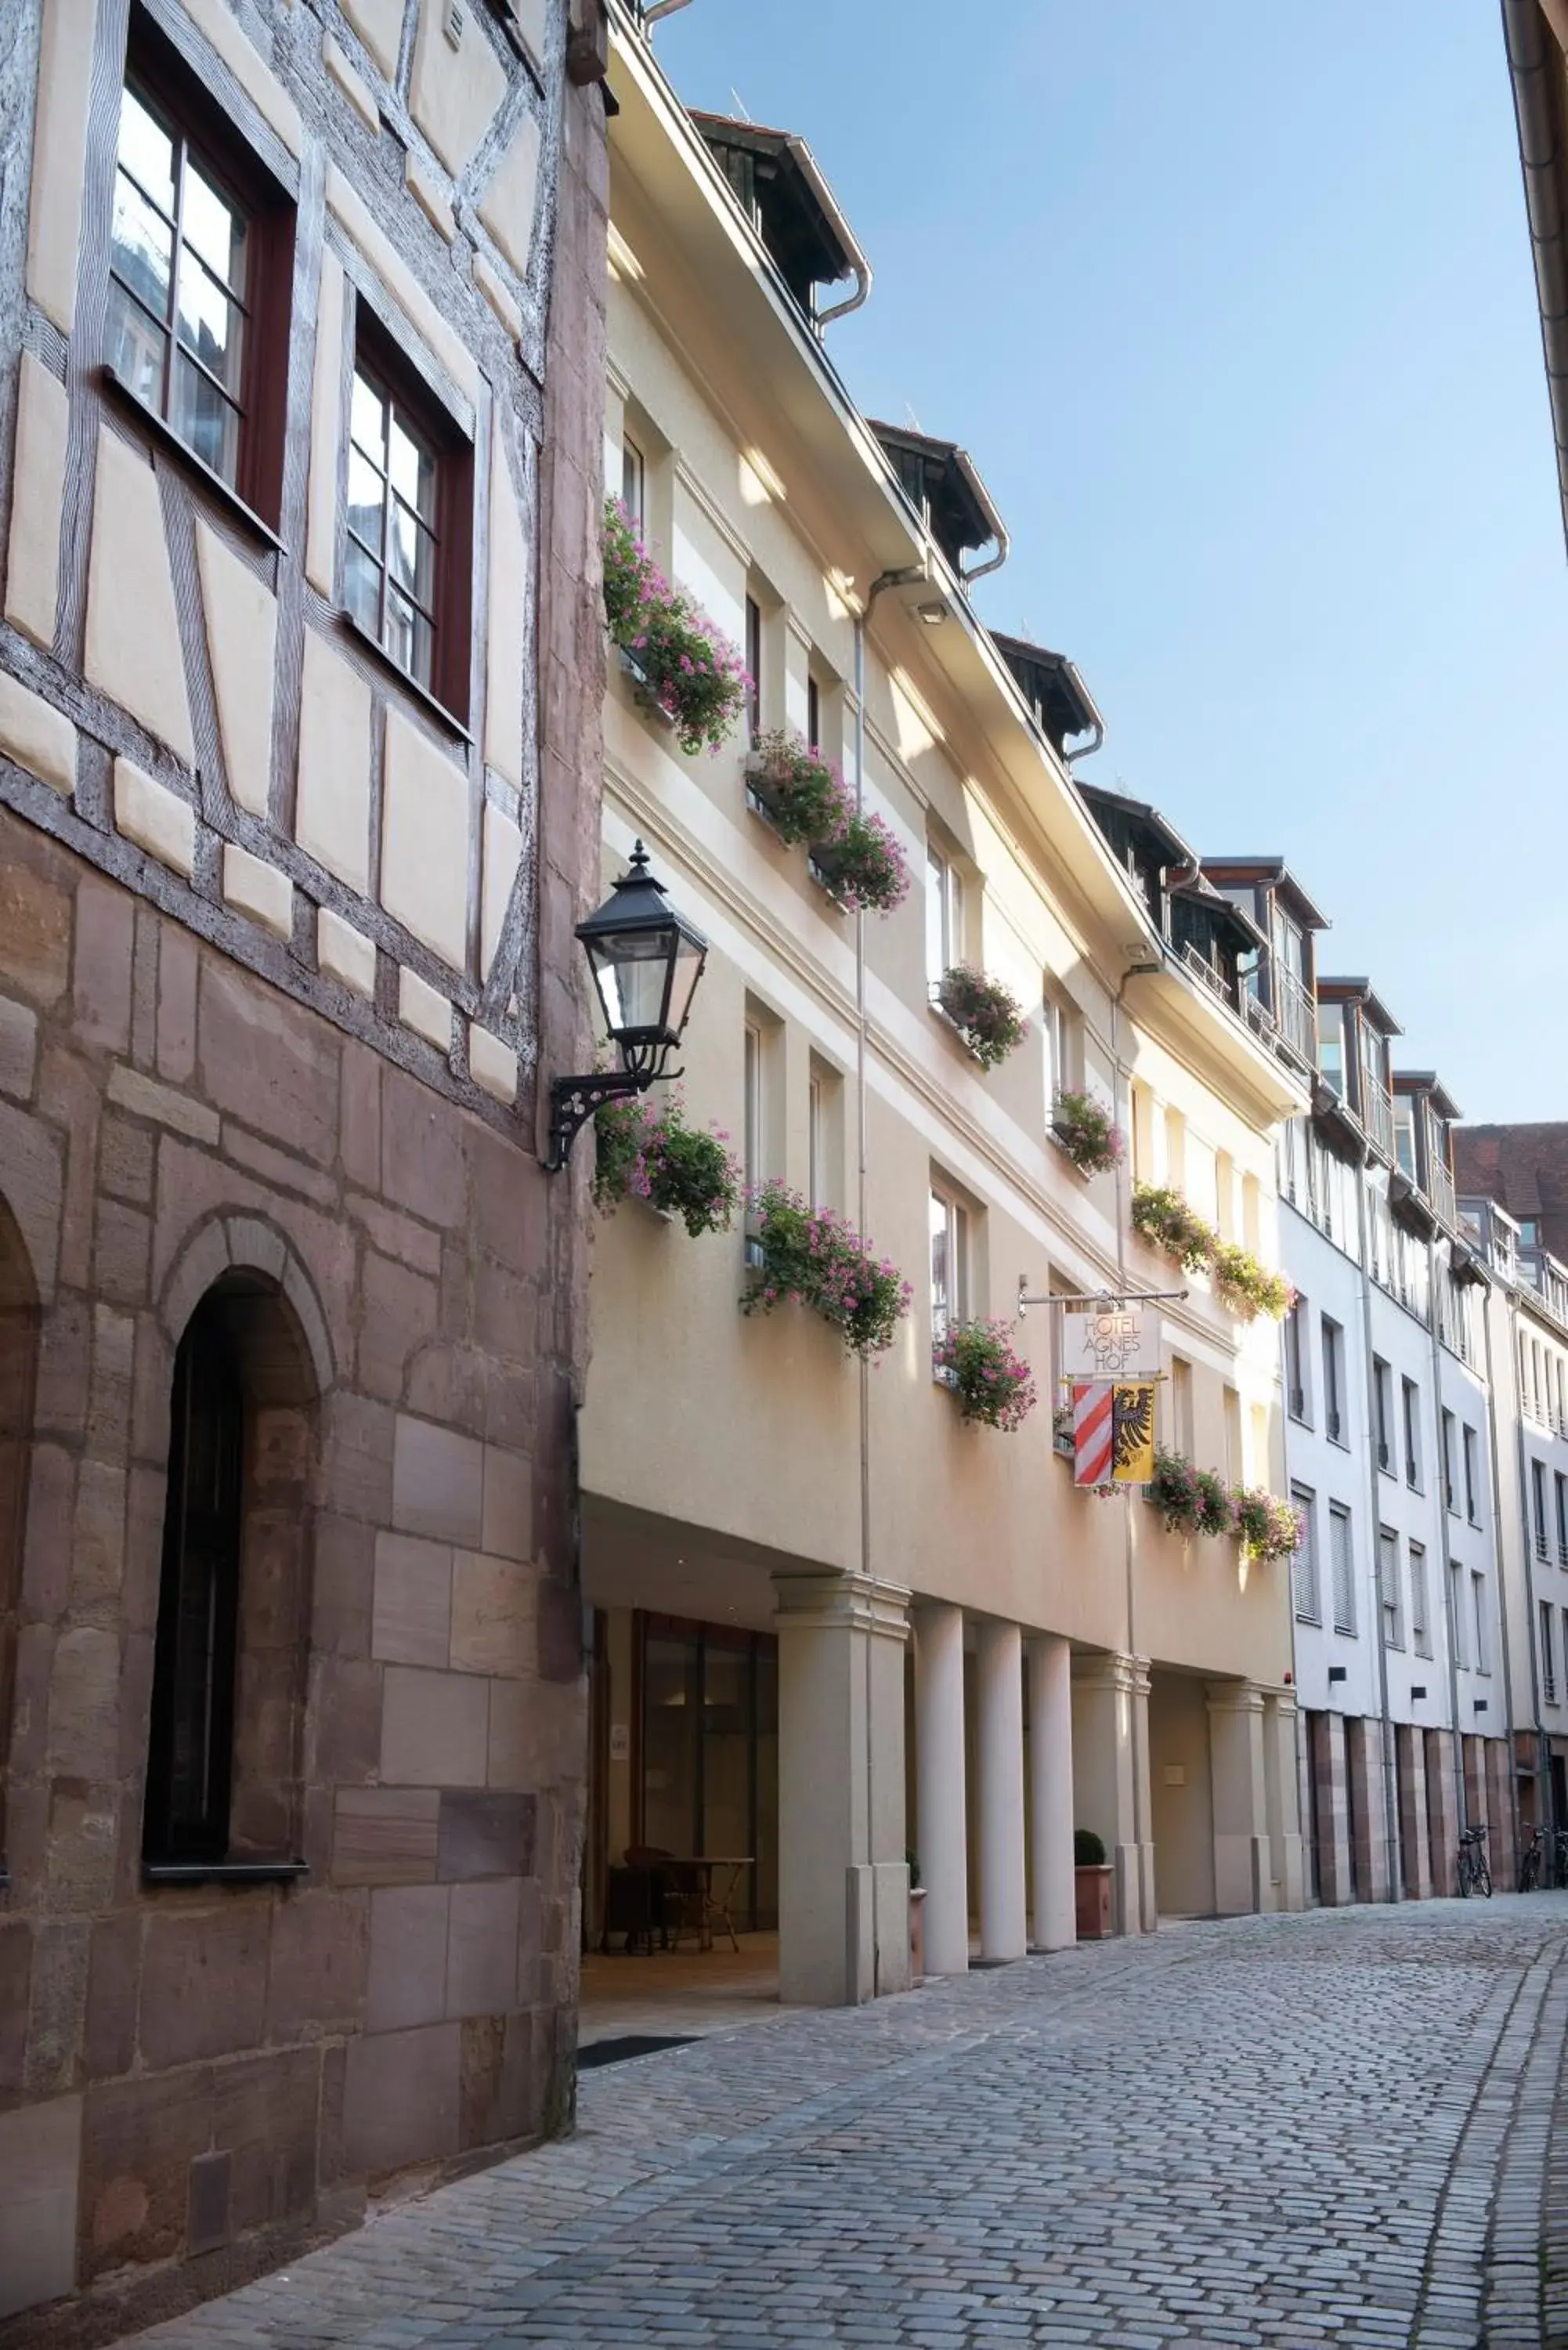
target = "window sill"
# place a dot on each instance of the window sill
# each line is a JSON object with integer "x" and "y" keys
{"x": 1341, "y": 1443}
{"x": 170, "y": 443}
{"x": 427, "y": 701}
{"x": 223, "y": 1872}
{"x": 1300, "y": 1420}
{"x": 1053, "y": 1136}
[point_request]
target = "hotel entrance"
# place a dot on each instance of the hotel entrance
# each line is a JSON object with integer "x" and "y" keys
{"x": 685, "y": 1759}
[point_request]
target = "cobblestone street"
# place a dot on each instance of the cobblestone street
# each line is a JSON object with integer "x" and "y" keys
{"x": 1336, "y": 2128}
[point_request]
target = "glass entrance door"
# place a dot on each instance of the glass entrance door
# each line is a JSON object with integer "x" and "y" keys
{"x": 709, "y": 1745}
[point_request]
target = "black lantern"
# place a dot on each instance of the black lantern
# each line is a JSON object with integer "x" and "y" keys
{"x": 646, "y": 959}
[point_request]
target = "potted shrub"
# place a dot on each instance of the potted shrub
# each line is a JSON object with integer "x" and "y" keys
{"x": 1091, "y": 1886}
{"x": 813, "y": 1256}
{"x": 793, "y": 789}
{"x": 994, "y": 1385}
{"x": 684, "y": 666}
{"x": 1164, "y": 1218}
{"x": 1269, "y": 1528}
{"x": 1086, "y": 1132}
{"x": 916, "y": 1924}
{"x": 1248, "y": 1287}
{"x": 1173, "y": 1491}
{"x": 862, "y": 867}
{"x": 990, "y": 1020}
{"x": 643, "y": 1154}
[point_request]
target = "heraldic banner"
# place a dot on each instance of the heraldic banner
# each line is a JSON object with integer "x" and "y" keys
{"x": 1113, "y": 1431}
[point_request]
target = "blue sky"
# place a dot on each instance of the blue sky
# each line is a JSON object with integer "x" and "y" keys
{"x": 1232, "y": 307}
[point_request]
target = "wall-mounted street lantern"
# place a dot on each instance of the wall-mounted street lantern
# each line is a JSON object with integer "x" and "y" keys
{"x": 646, "y": 959}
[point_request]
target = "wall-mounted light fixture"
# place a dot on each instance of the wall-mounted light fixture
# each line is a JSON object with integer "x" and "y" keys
{"x": 646, "y": 959}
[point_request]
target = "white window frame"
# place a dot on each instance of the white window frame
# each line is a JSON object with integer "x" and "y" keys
{"x": 954, "y": 1234}
{"x": 1307, "y": 1594}
{"x": 1390, "y": 1597}
{"x": 944, "y": 915}
{"x": 1341, "y": 1566}
{"x": 1420, "y": 1611}
{"x": 634, "y": 482}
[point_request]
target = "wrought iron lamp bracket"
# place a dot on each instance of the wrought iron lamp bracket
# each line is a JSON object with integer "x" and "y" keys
{"x": 574, "y": 1100}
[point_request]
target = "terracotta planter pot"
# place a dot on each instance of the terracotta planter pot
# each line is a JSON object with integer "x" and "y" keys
{"x": 1092, "y": 1888}
{"x": 917, "y": 1936}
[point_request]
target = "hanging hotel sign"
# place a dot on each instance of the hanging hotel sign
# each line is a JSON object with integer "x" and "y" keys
{"x": 1110, "y": 1342}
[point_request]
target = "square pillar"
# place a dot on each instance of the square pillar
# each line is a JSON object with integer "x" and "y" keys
{"x": 942, "y": 1835}
{"x": 1243, "y": 1874}
{"x": 1282, "y": 1796}
{"x": 1054, "y": 1914}
{"x": 1330, "y": 1764}
{"x": 1475, "y": 1782}
{"x": 999, "y": 1684}
{"x": 844, "y": 1882}
{"x": 1443, "y": 1810}
{"x": 1110, "y": 1777}
{"x": 1364, "y": 1745}
{"x": 1416, "y": 1859}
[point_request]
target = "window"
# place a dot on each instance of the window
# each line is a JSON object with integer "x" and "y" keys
{"x": 201, "y": 262}
{"x": 1142, "y": 1102}
{"x": 1468, "y": 1444}
{"x": 1421, "y": 1622}
{"x": 949, "y": 1283}
{"x": 406, "y": 573}
{"x": 1410, "y": 1404}
{"x": 1175, "y": 1149}
{"x": 812, "y": 714}
{"x": 1060, "y": 1042}
{"x": 1303, "y": 1566}
{"x": 753, "y": 1107}
{"x": 1298, "y": 1397}
{"x": 1181, "y": 1404}
{"x": 1561, "y": 1482}
{"x": 230, "y": 1646}
{"x": 633, "y": 481}
{"x": 1451, "y": 1500}
{"x": 1478, "y": 1618}
{"x": 825, "y": 1135}
{"x": 1225, "y": 1194}
{"x": 1405, "y": 1134}
{"x": 1331, "y": 1047}
{"x": 1341, "y": 1565}
{"x": 755, "y": 665}
{"x": 1457, "y": 1615}
{"x": 1333, "y": 1381}
{"x": 1235, "y": 1463}
{"x": 1381, "y": 1408}
{"x": 944, "y": 915}
{"x": 1548, "y": 1657}
{"x": 1388, "y": 1587}
{"x": 1529, "y": 1233}
{"x": 1538, "y": 1505}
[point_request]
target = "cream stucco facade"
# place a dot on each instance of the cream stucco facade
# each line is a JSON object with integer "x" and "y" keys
{"x": 974, "y": 1657}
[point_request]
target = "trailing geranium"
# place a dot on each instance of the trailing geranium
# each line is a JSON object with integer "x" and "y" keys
{"x": 804, "y": 795}
{"x": 688, "y": 667}
{"x": 1190, "y": 1501}
{"x": 1268, "y": 1528}
{"x": 1163, "y": 1216}
{"x": 986, "y": 1017}
{"x": 1087, "y": 1132}
{"x": 814, "y": 1257}
{"x": 1247, "y": 1286}
{"x": 992, "y": 1383}
{"x": 644, "y": 1154}
{"x": 862, "y": 867}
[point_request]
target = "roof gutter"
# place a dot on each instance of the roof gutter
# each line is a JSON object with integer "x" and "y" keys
{"x": 1536, "y": 65}
{"x": 812, "y": 174}
{"x": 651, "y": 14}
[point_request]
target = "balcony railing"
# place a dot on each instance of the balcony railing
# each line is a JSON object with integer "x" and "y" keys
{"x": 1295, "y": 1015}
{"x": 1201, "y": 968}
{"x": 1440, "y": 1191}
{"x": 1378, "y": 1113}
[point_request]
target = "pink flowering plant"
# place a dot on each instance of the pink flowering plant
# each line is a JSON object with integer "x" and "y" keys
{"x": 642, "y": 1153}
{"x": 688, "y": 668}
{"x": 992, "y": 1383}
{"x": 1249, "y": 1287}
{"x": 861, "y": 865}
{"x": 1086, "y": 1132}
{"x": 1190, "y": 1501}
{"x": 817, "y": 1259}
{"x": 986, "y": 1017}
{"x": 1268, "y": 1528}
{"x": 803, "y": 796}
{"x": 1164, "y": 1217}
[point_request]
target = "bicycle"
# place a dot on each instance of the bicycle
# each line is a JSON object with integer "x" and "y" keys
{"x": 1559, "y": 1869}
{"x": 1475, "y": 1875}
{"x": 1531, "y": 1864}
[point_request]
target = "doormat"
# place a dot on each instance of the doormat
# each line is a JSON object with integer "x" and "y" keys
{"x": 630, "y": 2043}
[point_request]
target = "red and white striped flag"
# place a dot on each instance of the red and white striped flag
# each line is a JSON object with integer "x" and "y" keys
{"x": 1093, "y": 1430}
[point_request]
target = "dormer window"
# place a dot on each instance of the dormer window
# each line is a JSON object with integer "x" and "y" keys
{"x": 1405, "y": 1136}
{"x": 779, "y": 185}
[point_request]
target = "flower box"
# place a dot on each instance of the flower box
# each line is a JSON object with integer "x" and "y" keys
{"x": 992, "y": 1385}
{"x": 987, "y": 1018}
{"x": 861, "y": 867}
{"x": 794, "y": 790}
{"x": 815, "y": 1258}
{"x": 682, "y": 664}
{"x": 653, "y": 1156}
{"x": 1087, "y": 1132}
